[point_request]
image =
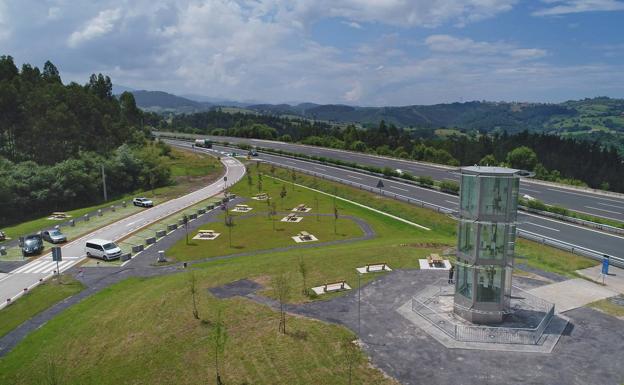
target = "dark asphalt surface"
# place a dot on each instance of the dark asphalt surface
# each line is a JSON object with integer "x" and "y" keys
{"x": 585, "y": 201}
{"x": 589, "y": 352}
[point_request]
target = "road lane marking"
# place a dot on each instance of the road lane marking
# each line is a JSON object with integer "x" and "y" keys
{"x": 542, "y": 226}
{"x": 451, "y": 202}
{"x": 320, "y": 168}
{"x": 354, "y": 177}
{"x": 585, "y": 195}
{"x": 606, "y": 204}
{"x": 528, "y": 189}
{"x": 571, "y": 225}
{"x": 398, "y": 188}
{"x": 606, "y": 211}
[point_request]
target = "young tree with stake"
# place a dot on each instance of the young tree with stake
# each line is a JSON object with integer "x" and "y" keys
{"x": 283, "y": 195}
{"x": 351, "y": 353}
{"x": 219, "y": 338}
{"x": 281, "y": 289}
{"x": 193, "y": 290}
{"x": 303, "y": 270}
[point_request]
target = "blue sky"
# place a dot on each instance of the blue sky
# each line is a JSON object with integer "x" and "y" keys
{"x": 364, "y": 52}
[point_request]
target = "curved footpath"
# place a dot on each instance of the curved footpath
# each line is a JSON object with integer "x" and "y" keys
{"x": 98, "y": 278}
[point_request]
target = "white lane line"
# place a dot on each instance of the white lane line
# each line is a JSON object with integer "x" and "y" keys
{"x": 539, "y": 217}
{"x": 451, "y": 179}
{"x": 542, "y": 226}
{"x": 606, "y": 211}
{"x": 608, "y": 205}
{"x": 354, "y": 177}
{"x": 451, "y": 202}
{"x": 585, "y": 195}
{"x": 528, "y": 189}
{"x": 398, "y": 188}
{"x": 320, "y": 168}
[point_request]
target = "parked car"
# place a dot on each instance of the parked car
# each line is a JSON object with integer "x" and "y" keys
{"x": 54, "y": 236}
{"x": 31, "y": 244}
{"x": 252, "y": 152}
{"x": 528, "y": 197}
{"x": 142, "y": 202}
{"x": 2, "y": 236}
{"x": 101, "y": 248}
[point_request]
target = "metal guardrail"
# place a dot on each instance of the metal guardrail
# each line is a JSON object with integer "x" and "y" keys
{"x": 479, "y": 333}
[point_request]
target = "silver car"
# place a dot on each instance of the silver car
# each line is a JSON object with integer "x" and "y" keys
{"x": 54, "y": 236}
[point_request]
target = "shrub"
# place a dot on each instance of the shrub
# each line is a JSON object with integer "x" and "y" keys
{"x": 449, "y": 186}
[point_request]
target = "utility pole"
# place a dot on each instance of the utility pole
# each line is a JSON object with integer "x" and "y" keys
{"x": 104, "y": 184}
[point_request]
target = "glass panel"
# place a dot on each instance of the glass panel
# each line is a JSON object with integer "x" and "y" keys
{"x": 464, "y": 280}
{"x": 489, "y": 284}
{"x": 494, "y": 195}
{"x": 511, "y": 240}
{"x": 492, "y": 241}
{"x": 515, "y": 190}
{"x": 469, "y": 195}
{"x": 467, "y": 237}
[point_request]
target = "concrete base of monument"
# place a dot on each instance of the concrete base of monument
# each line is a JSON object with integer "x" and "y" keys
{"x": 530, "y": 326}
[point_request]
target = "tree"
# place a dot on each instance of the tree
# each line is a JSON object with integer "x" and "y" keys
{"x": 185, "y": 222}
{"x": 193, "y": 290}
{"x": 522, "y": 158}
{"x": 272, "y": 213}
{"x": 259, "y": 182}
{"x": 281, "y": 290}
{"x": 293, "y": 177}
{"x": 229, "y": 222}
{"x": 283, "y": 195}
{"x": 272, "y": 170}
{"x": 335, "y": 218}
{"x": 219, "y": 337}
{"x": 351, "y": 354}
{"x": 51, "y": 73}
{"x": 303, "y": 270}
{"x": 488, "y": 160}
{"x": 249, "y": 179}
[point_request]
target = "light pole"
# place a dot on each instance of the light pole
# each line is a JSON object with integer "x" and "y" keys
{"x": 359, "y": 307}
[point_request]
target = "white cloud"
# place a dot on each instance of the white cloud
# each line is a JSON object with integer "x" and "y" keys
{"x": 454, "y": 45}
{"x": 352, "y": 24}
{"x": 5, "y": 29}
{"x": 428, "y": 13}
{"x": 100, "y": 25}
{"x": 562, "y": 7}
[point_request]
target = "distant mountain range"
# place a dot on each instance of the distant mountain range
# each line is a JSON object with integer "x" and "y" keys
{"x": 597, "y": 117}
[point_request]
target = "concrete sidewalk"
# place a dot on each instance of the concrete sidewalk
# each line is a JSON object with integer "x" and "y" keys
{"x": 614, "y": 281}
{"x": 572, "y": 294}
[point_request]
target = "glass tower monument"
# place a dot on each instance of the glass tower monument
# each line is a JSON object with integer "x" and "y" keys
{"x": 485, "y": 245}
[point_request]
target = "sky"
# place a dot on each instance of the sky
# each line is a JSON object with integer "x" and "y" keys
{"x": 357, "y": 52}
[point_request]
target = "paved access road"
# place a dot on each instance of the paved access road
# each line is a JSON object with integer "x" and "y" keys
{"x": 598, "y": 241}
{"x": 13, "y": 283}
{"x": 582, "y": 201}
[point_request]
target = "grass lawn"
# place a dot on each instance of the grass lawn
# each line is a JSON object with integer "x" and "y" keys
{"x": 142, "y": 331}
{"x": 551, "y": 259}
{"x": 39, "y": 299}
{"x": 608, "y": 307}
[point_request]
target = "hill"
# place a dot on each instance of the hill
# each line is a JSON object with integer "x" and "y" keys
{"x": 159, "y": 101}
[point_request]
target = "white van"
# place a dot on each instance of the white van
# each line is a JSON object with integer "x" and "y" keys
{"x": 101, "y": 248}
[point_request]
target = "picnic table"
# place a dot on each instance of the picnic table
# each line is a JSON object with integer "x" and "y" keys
{"x": 59, "y": 215}
{"x": 206, "y": 233}
{"x": 434, "y": 259}
{"x": 382, "y": 266}
{"x": 305, "y": 235}
{"x": 334, "y": 286}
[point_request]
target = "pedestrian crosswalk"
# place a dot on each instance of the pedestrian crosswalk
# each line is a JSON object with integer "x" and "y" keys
{"x": 45, "y": 266}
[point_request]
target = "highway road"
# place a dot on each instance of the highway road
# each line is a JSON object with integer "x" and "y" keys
{"x": 583, "y": 201}
{"x": 28, "y": 275}
{"x": 575, "y": 235}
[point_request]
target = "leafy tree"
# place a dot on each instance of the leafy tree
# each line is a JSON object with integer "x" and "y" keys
{"x": 51, "y": 73}
{"x": 522, "y": 158}
{"x": 488, "y": 160}
{"x": 192, "y": 280}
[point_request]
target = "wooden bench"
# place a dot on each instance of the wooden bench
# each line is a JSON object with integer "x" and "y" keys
{"x": 382, "y": 265}
{"x": 291, "y": 217}
{"x": 334, "y": 286}
{"x": 262, "y": 196}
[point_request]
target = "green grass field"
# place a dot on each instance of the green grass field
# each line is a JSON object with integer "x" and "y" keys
{"x": 37, "y": 300}
{"x": 142, "y": 331}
